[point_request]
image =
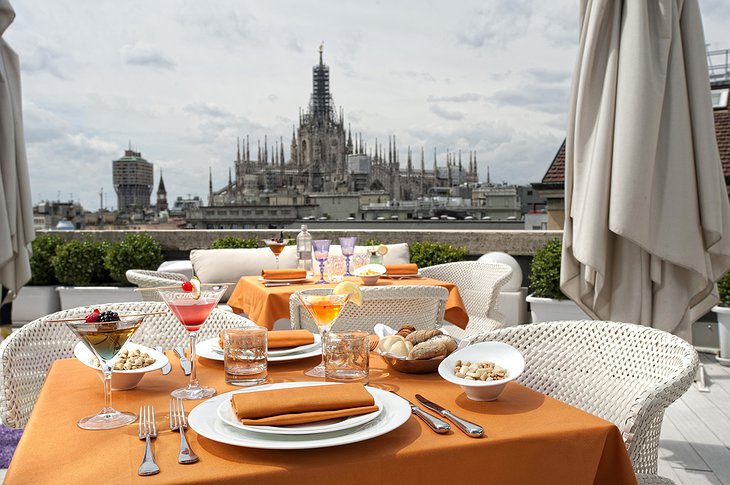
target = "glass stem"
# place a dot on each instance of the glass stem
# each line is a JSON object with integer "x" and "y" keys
{"x": 323, "y": 335}
{"x": 321, "y": 270}
{"x": 107, "y": 390}
{"x": 277, "y": 262}
{"x": 193, "y": 367}
{"x": 347, "y": 266}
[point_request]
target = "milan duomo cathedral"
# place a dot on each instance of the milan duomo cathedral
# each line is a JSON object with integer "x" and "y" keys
{"x": 326, "y": 158}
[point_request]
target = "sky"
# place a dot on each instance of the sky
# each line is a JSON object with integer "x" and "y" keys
{"x": 181, "y": 79}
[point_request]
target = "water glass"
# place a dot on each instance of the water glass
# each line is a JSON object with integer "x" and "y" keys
{"x": 360, "y": 260}
{"x": 321, "y": 249}
{"x": 346, "y": 356}
{"x": 336, "y": 268}
{"x": 245, "y": 355}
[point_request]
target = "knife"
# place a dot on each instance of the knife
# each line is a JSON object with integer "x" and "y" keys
{"x": 184, "y": 362}
{"x": 471, "y": 429}
{"x": 437, "y": 424}
{"x": 165, "y": 370}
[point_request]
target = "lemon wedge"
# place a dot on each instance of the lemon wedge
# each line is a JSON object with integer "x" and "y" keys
{"x": 351, "y": 289}
{"x": 196, "y": 287}
{"x": 382, "y": 250}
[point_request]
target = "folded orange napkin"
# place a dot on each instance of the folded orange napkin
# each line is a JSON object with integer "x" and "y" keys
{"x": 283, "y": 274}
{"x": 401, "y": 269}
{"x": 298, "y": 405}
{"x": 289, "y": 338}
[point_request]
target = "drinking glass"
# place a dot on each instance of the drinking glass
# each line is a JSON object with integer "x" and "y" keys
{"x": 348, "y": 249}
{"x": 347, "y": 356}
{"x": 336, "y": 268}
{"x": 192, "y": 313}
{"x": 324, "y": 307}
{"x": 276, "y": 246}
{"x": 360, "y": 260}
{"x": 245, "y": 355}
{"x": 321, "y": 251}
{"x": 105, "y": 340}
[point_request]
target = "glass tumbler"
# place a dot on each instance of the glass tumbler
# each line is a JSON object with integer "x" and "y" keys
{"x": 347, "y": 356}
{"x": 336, "y": 267}
{"x": 245, "y": 356}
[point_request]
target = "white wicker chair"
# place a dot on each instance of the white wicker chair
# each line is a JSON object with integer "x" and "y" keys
{"x": 153, "y": 279}
{"x": 479, "y": 285}
{"x": 27, "y": 354}
{"x": 627, "y": 374}
{"x": 420, "y": 306}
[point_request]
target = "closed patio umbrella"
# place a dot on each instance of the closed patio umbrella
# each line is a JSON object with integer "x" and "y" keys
{"x": 16, "y": 211}
{"x": 647, "y": 229}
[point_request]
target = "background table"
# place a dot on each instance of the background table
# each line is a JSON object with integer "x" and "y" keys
{"x": 267, "y": 304}
{"x": 530, "y": 438}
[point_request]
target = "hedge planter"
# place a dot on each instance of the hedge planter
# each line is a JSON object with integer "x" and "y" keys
{"x": 34, "y": 302}
{"x": 723, "y": 333}
{"x": 550, "y": 310}
{"x": 76, "y": 296}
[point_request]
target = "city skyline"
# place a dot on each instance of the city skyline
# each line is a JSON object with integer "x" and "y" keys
{"x": 183, "y": 80}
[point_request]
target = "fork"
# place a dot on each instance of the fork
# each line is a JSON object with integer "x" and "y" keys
{"x": 147, "y": 430}
{"x": 179, "y": 423}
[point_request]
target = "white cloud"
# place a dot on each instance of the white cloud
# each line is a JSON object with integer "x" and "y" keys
{"x": 143, "y": 54}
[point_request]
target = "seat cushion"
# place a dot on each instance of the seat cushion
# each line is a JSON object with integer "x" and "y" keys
{"x": 184, "y": 267}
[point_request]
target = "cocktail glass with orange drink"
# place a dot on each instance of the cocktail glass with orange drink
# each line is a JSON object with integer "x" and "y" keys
{"x": 277, "y": 245}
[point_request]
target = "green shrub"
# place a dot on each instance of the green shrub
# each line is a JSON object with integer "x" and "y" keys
{"x": 430, "y": 253}
{"x": 44, "y": 248}
{"x": 137, "y": 251}
{"x": 372, "y": 242}
{"x": 724, "y": 287}
{"x": 231, "y": 242}
{"x": 79, "y": 263}
{"x": 545, "y": 271}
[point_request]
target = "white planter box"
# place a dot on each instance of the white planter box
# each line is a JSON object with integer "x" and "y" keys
{"x": 34, "y": 302}
{"x": 723, "y": 333}
{"x": 549, "y": 310}
{"x": 77, "y": 296}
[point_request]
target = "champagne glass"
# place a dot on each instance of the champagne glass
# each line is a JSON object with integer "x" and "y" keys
{"x": 321, "y": 252}
{"x": 192, "y": 309}
{"x": 276, "y": 245}
{"x": 324, "y": 308}
{"x": 105, "y": 340}
{"x": 348, "y": 249}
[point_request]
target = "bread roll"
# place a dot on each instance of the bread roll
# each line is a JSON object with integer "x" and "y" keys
{"x": 421, "y": 336}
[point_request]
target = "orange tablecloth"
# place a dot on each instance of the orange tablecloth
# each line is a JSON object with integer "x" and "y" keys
{"x": 530, "y": 439}
{"x": 267, "y": 304}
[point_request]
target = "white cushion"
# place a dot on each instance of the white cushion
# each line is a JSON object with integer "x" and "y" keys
{"x": 397, "y": 253}
{"x": 184, "y": 267}
{"x": 228, "y": 265}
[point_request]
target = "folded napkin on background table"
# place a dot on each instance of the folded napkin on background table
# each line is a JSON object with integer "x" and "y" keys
{"x": 401, "y": 269}
{"x": 299, "y": 405}
{"x": 283, "y": 274}
{"x": 280, "y": 339}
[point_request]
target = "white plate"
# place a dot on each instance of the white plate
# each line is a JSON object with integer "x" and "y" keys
{"x": 294, "y": 280}
{"x": 204, "y": 420}
{"x": 225, "y": 413}
{"x": 277, "y": 352}
{"x": 207, "y": 349}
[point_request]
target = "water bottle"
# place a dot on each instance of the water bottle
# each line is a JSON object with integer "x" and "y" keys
{"x": 304, "y": 249}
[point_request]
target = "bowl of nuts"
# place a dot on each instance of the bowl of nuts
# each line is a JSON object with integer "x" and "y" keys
{"x": 132, "y": 363}
{"x": 370, "y": 273}
{"x": 484, "y": 369}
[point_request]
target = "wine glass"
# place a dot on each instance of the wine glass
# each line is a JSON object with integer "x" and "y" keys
{"x": 105, "y": 340}
{"x": 276, "y": 245}
{"x": 347, "y": 244}
{"x": 321, "y": 252}
{"x": 192, "y": 309}
{"x": 324, "y": 308}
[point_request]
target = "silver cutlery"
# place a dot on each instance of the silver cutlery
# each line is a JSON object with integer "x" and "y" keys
{"x": 184, "y": 362}
{"x": 147, "y": 431}
{"x": 165, "y": 370}
{"x": 180, "y": 424}
{"x": 471, "y": 429}
{"x": 437, "y": 424}
{"x": 277, "y": 284}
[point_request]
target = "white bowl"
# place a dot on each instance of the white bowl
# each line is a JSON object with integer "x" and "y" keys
{"x": 123, "y": 379}
{"x": 370, "y": 279}
{"x": 500, "y": 353}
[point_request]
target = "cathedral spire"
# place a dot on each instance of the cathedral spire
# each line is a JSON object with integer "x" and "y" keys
{"x": 238, "y": 148}
{"x": 460, "y": 166}
{"x": 210, "y": 180}
{"x": 248, "y": 153}
{"x": 321, "y": 50}
{"x": 489, "y": 180}
{"x": 281, "y": 151}
{"x": 258, "y": 157}
{"x": 266, "y": 149}
{"x": 435, "y": 169}
{"x": 390, "y": 150}
{"x": 230, "y": 180}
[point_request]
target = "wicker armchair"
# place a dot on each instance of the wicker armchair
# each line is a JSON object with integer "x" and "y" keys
{"x": 153, "y": 279}
{"x": 627, "y": 374}
{"x": 479, "y": 286}
{"x": 420, "y": 306}
{"x": 27, "y": 354}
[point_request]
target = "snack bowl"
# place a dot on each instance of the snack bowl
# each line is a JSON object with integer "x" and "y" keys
{"x": 413, "y": 366}
{"x": 370, "y": 273}
{"x": 123, "y": 380}
{"x": 500, "y": 353}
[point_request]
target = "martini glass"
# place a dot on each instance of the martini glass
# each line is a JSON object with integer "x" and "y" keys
{"x": 192, "y": 313}
{"x": 276, "y": 246}
{"x": 324, "y": 308}
{"x": 321, "y": 252}
{"x": 347, "y": 244}
{"x": 105, "y": 340}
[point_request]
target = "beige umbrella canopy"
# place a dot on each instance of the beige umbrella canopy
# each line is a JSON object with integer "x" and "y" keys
{"x": 16, "y": 210}
{"x": 647, "y": 230}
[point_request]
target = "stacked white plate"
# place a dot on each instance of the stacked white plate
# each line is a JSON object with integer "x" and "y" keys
{"x": 216, "y": 420}
{"x": 210, "y": 349}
